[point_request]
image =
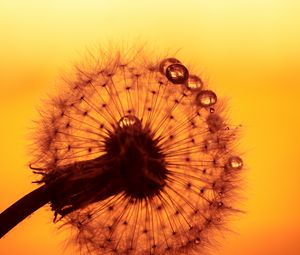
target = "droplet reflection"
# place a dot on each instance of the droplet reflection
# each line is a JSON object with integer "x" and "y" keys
{"x": 234, "y": 163}
{"x": 194, "y": 83}
{"x": 197, "y": 240}
{"x": 130, "y": 121}
{"x": 166, "y": 63}
{"x": 206, "y": 98}
{"x": 177, "y": 73}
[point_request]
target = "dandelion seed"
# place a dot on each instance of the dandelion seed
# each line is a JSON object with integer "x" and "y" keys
{"x": 214, "y": 122}
{"x": 134, "y": 163}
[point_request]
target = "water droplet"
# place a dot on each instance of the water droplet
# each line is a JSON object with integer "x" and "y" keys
{"x": 177, "y": 73}
{"x": 194, "y": 83}
{"x": 166, "y": 63}
{"x": 234, "y": 163}
{"x": 130, "y": 121}
{"x": 206, "y": 98}
{"x": 197, "y": 240}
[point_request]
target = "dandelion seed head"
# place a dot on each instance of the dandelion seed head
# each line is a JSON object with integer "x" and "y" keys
{"x": 137, "y": 158}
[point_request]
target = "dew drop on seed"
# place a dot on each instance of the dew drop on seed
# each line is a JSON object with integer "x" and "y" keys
{"x": 194, "y": 83}
{"x": 130, "y": 121}
{"x": 177, "y": 73}
{"x": 166, "y": 63}
{"x": 197, "y": 240}
{"x": 235, "y": 163}
{"x": 206, "y": 98}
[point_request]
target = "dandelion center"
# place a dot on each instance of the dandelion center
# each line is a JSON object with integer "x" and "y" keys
{"x": 138, "y": 159}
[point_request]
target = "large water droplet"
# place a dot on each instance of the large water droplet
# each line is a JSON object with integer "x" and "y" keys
{"x": 206, "y": 98}
{"x": 130, "y": 121}
{"x": 166, "y": 63}
{"x": 177, "y": 73}
{"x": 234, "y": 163}
{"x": 194, "y": 83}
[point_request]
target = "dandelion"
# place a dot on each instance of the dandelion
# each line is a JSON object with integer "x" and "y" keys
{"x": 137, "y": 156}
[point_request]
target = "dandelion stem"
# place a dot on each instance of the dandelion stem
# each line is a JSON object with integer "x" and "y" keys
{"x": 21, "y": 209}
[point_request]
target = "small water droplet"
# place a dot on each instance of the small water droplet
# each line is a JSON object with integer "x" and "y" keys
{"x": 194, "y": 83}
{"x": 166, "y": 63}
{"x": 234, "y": 163}
{"x": 130, "y": 121}
{"x": 206, "y": 98}
{"x": 197, "y": 240}
{"x": 177, "y": 73}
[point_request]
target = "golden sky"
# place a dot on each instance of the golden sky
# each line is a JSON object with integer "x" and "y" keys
{"x": 248, "y": 51}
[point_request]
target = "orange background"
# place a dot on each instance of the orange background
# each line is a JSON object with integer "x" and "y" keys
{"x": 248, "y": 51}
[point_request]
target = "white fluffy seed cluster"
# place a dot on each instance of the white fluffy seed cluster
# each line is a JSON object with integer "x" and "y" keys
{"x": 194, "y": 136}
